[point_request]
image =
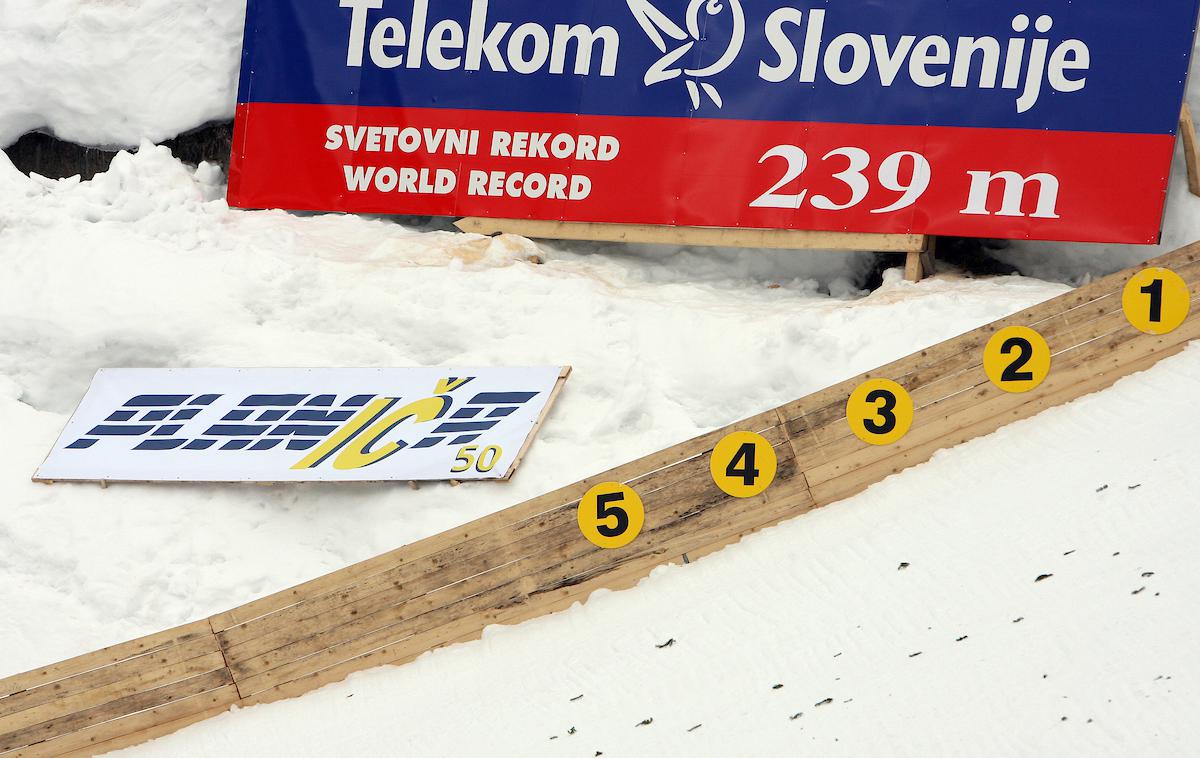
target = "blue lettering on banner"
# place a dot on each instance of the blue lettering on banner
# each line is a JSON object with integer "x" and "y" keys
{"x": 299, "y": 418}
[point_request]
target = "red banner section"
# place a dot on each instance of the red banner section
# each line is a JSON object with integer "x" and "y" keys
{"x": 978, "y": 182}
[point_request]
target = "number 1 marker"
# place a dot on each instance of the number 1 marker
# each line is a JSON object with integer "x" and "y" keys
{"x": 1156, "y": 301}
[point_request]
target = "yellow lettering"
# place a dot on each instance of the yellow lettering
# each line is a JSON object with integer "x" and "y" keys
{"x": 352, "y": 427}
{"x": 449, "y": 384}
{"x": 361, "y": 455}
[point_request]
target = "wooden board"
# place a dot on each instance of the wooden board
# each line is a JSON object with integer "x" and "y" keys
{"x": 670, "y": 512}
{"x": 631, "y": 473}
{"x": 116, "y": 692}
{"x": 530, "y": 560}
{"x": 773, "y": 239}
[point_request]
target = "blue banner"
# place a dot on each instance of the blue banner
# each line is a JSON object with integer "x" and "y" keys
{"x": 1103, "y": 65}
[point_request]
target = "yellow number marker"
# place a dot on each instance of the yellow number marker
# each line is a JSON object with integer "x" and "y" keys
{"x": 1156, "y": 301}
{"x": 743, "y": 464}
{"x": 611, "y": 515}
{"x": 1017, "y": 359}
{"x": 880, "y": 412}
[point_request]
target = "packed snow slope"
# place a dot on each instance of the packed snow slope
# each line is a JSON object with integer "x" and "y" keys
{"x": 147, "y": 266}
{"x": 1031, "y": 593}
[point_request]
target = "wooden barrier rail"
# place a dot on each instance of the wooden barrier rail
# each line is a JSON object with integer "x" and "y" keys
{"x": 530, "y": 559}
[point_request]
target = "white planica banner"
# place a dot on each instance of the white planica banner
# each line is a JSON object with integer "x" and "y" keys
{"x": 303, "y": 425}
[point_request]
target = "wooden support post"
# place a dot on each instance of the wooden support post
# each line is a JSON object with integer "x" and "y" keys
{"x": 922, "y": 263}
{"x": 1191, "y": 152}
{"x": 914, "y": 271}
{"x": 929, "y": 257}
{"x": 919, "y": 248}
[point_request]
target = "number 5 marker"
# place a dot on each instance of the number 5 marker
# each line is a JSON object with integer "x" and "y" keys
{"x": 611, "y": 515}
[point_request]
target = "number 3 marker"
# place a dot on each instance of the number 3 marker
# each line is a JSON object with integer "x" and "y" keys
{"x": 743, "y": 464}
{"x": 611, "y": 515}
{"x": 880, "y": 412}
{"x": 1156, "y": 301}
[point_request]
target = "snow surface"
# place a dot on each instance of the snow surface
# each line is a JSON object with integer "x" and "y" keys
{"x": 145, "y": 265}
{"x": 114, "y": 72}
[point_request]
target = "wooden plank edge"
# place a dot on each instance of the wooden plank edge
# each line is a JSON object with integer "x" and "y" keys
{"x": 102, "y": 713}
{"x": 555, "y": 391}
{"x": 504, "y": 582}
{"x": 558, "y": 525}
{"x": 950, "y": 352}
{"x": 628, "y": 472}
{"x": 621, "y": 577}
{"x": 63, "y": 706}
{"x": 130, "y": 727}
{"x": 98, "y": 659}
{"x": 80, "y": 684}
{"x": 704, "y": 236}
{"x": 142, "y": 736}
{"x": 842, "y": 487}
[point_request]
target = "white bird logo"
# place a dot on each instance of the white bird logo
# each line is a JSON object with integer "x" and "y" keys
{"x": 658, "y": 27}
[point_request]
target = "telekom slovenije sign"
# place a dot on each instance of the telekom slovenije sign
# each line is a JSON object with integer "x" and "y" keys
{"x": 1044, "y": 119}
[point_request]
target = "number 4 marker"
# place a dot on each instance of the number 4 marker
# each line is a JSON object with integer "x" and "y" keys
{"x": 743, "y": 464}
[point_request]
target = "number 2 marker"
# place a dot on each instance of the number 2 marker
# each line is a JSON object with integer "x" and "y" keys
{"x": 1017, "y": 359}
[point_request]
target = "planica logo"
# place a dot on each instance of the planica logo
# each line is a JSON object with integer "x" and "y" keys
{"x": 345, "y": 432}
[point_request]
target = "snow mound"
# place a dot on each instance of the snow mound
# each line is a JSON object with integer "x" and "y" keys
{"x": 114, "y": 73}
{"x": 146, "y": 265}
